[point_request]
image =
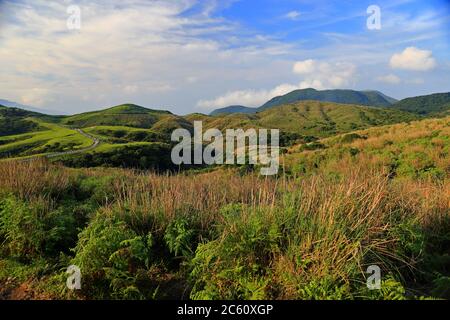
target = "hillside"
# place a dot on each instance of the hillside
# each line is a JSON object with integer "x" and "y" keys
{"x": 26, "y": 133}
{"x": 418, "y": 150}
{"x": 233, "y": 109}
{"x": 376, "y": 196}
{"x": 12, "y": 104}
{"x": 314, "y": 118}
{"x": 429, "y": 105}
{"x": 365, "y": 98}
{"x": 128, "y": 115}
{"x": 16, "y": 121}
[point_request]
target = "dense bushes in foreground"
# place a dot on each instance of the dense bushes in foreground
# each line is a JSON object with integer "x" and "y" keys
{"x": 220, "y": 235}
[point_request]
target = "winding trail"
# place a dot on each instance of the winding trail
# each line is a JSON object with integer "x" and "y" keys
{"x": 95, "y": 143}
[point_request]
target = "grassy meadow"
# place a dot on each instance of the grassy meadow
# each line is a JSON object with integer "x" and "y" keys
{"x": 376, "y": 196}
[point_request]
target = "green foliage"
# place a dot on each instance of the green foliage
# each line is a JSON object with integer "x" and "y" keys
{"x": 349, "y": 138}
{"x": 367, "y": 98}
{"x": 235, "y": 265}
{"x": 390, "y": 289}
{"x": 324, "y": 289}
{"x": 154, "y": 156}
{"x": 30, "y": 229}
{"x": 434, "y": 104}
{"x": 180, "y": 238}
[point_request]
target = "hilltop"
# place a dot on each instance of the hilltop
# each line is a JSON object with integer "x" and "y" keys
{"x": 311, "y": 118}
{"x": 437, "y": 104}
{"x": 364, "y": 98}
{"x": 233, "y": 109}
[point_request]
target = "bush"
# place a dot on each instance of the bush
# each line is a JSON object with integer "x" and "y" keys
{"x": 180, "y": 238}
{"x": 34, "y": 228}
{"x": 237, "y": 265}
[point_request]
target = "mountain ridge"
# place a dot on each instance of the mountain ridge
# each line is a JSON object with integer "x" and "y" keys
{"x": 366, "y": 98}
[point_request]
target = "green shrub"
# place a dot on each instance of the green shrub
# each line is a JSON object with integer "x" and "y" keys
{"x": 180, "y": 238}
{"x": 236, "y": 266}
{"x": 349, "y": 138}
{"x": 33, "y": 228}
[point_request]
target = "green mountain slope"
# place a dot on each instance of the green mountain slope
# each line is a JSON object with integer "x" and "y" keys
{"x": 126, "y": 115}
{"x": 366, "y": 98}
{"x": 33, "y": 133}
{"x": 16, "y": 121}
{"x": 233, "y": 109}
{"x": 434, "y": 104}
{"x": 315, "y": 118}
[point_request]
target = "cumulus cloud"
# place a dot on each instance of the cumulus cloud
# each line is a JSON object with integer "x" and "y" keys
{"x": 324, "y": 75}
{"x": 141, "y": 49}
{"x": 414, "y": 59}
{"x": 316, "y": 74}
{"x": 251, "y": 98}
{"x": 390, "y": 79}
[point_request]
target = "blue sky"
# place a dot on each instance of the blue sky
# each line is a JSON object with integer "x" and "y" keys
{"x": 196, "y": 55}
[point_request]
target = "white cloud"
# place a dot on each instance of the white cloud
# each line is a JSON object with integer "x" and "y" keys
{"x": 293, "y": 15}
{"x": 414, "y": 59}
{"x": 141, "y": 49}
{"x": 305, "y": 67}
{"x": 250, "y": 98}
{"x": 390, "y": 79}
{"x": 317, "y": 74}
{"x": 324, "y": 75}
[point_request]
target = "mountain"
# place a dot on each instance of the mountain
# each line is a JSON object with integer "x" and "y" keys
{"x": 233, "y": 109}
{"x": 15, "y": 121}
{"x": 309, "y": 118}
{"x": 11, "y": 104}
{"x": 365, "y": 98}
{"x": 429, "y": 105}
{"x": 129, "y": 115}
{"x": 25, "y": 133}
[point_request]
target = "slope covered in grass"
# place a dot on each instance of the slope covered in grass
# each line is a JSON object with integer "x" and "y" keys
{"x": 366, "y": 98}
{"x": 49, "y": 139}
{"x": 420, "y": 149}
{"x": 309, "y": 234}
{"x": 430, "y": 105}
{"x": 124, "y": 115}
{"x": 314, "y": 118}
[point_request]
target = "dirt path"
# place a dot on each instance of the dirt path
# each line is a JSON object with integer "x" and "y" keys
{"x": 95, "y": 143}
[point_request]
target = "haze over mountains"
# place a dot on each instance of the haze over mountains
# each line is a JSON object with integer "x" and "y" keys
{"x": 12, "y": 104}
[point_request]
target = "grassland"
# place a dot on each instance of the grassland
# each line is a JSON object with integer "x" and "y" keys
{"x": 378, "y": 196}
{"x": 124, "y": 128}
{"x": 49, "y": 139}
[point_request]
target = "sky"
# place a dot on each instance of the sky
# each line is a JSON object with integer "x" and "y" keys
{"x": 190, "y": 56}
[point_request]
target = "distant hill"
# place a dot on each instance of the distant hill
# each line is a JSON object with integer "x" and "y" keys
{"x": 15, "y": 121}
{"x": 365, "y": 98}
{"x": 233, "y": 109}
{"x": 24, "y": 133}
{"x": 11, "y": 104}
{"x": 313, "y": 118}
{"x": 129, "y": 115}
{"x": 434, "y": 104}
